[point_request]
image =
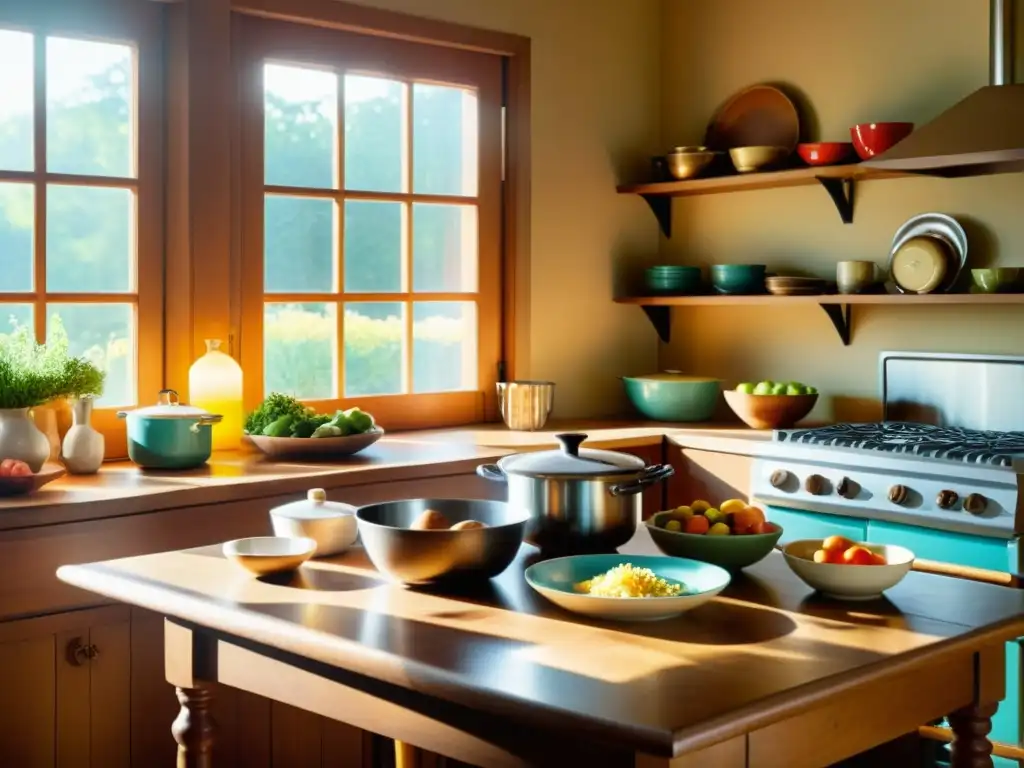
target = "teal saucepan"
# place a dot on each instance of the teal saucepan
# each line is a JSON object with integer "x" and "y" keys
{"x": 557, "y": 579}
{"x": 672, "y": 396}
{"x": 169, "y": 435}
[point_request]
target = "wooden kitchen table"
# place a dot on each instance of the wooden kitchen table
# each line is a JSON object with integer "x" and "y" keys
{"x": 768, "y": 674}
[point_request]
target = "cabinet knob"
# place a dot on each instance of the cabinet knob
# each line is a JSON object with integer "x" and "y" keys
{"x": 815, "y": 484}
{"x": 847, "y": 488}
{"x": 898, "y": 494}
{"x": 779, "y": 478}
{"x": 975, "y": 503}
{"x": 947, "y": 499}
{"x": 78, "y": 652}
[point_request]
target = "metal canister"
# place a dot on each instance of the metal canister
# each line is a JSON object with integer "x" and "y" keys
{"x": 526, "y": 405}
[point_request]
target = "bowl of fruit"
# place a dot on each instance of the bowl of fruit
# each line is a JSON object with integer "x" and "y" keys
{"x": 848, "y": 570}
{"x": 17, "y": 477}
{"x": 771, "y": 404}
{"x": 732, "y": 535}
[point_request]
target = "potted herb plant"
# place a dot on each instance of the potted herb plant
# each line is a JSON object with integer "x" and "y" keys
{"x": 32, "y": 375}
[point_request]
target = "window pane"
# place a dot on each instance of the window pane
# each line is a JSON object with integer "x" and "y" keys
{"x": 374, "y": 348}
{"x": 373, "y": 246}
{"x": 13, "y": 316}
{"x": 444, "y": 248}
{"x": 89, "y": 107}
{"x": 300, "y": 108}
{"x": 16, "y": 111}
{"x": 105, "y": 335}
{"x": 17, "y": 214}
{"x": 300, "y": 347}
{"x": 89, "y": 239}
{"x": 374, "y": 129}
{"x": 444, "y": 346}
{"x": 298, "y": 241}
{"x": 445, "y": 140}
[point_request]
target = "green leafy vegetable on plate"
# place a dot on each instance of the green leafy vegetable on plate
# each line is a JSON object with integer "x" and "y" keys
{"x": 282, "y": 415}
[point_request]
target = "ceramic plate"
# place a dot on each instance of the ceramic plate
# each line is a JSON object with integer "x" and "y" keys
{"x": 944, "y": 228}
{"x": 759, "y": 116}
{"x": 554, "y": 579}
{"x": 270, "y": 554}
{"x": 19, "y": 486}
{"x": 315, "y": 447}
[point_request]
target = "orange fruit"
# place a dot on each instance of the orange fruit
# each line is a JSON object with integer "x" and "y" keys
{"x": 697, "y": 524}
{"x": 747, "y": 518}
{"x": 824, "y": 556}
{"x": 836, "y": 544}
{"x": 857, "y": 555}
{"x": 879, "y": 559}
{"x": 699, "y": 506}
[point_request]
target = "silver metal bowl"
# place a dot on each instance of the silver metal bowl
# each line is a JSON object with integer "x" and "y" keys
{"x": 525, "y": 405}
{"x": 425, "y": 557}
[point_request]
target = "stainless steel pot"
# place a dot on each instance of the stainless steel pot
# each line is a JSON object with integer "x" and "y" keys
{"x": 579, "y": 499}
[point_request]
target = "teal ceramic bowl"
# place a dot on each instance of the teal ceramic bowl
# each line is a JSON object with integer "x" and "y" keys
{"x": 729, "y": 552}
{"x": 672, "y": 279}
{"x": 739, "y": 279}
{"x": 555, "y": 580}
{"x": 671, "y": 396}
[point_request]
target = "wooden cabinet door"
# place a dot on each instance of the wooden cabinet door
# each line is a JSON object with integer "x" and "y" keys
{"x": 654, "y": 497}
{"x": 706, "y": 475}
{"x": 61, "y": 707}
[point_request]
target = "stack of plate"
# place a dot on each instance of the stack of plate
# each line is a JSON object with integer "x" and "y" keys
{"x": 795, "y": 286}
{"x": 673, "y": 279}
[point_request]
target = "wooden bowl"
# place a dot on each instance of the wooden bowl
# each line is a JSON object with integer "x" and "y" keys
{"x": 769, "y": 411}
{"x": 20, "y": 486}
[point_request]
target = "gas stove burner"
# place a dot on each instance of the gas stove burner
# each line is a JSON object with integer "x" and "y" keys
{"x": 969, "y": 446}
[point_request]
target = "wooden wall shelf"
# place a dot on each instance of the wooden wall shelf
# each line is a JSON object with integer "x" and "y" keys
{"x": 838, "y": 180}
{"x": 838, "y": 307}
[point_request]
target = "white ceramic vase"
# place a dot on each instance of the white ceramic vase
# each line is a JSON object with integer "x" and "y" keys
{"x": 21, "y": 439}
{"x": 83, "y": 445}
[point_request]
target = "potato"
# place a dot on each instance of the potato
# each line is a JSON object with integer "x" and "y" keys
{"x": 430, "y": 520}
{"x": 468, "y": 525}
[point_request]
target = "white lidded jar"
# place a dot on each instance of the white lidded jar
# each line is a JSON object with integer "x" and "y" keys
{"x": 331, "y": 524}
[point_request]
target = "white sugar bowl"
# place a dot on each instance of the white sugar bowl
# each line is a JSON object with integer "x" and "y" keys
{"x": 331, "y": 524}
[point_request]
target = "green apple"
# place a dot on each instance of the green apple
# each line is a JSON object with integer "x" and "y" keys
{"x": 810, "y": 390}
{"x": 795, "y": 389}
{"x": 763, "y": 388}
{"x": 779, "y": 389}
{"x": 747, "y": 387}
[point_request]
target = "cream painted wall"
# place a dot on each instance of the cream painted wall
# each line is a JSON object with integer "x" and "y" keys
{"x": 872, "y": 60}
{"x": 595, "y": 120}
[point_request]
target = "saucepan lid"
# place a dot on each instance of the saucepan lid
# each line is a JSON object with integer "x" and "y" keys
{"x": 571, "y": 460}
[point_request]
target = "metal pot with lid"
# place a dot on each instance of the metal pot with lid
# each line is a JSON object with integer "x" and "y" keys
{"x": 579, "y": 499}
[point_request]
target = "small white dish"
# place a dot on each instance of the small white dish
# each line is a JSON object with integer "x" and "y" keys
{"x": 331, "y": 524}
{"x": 269, "y": 554}
{"x": 848, "y": 582}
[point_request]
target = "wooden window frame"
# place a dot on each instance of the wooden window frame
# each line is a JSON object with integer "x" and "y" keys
{"x": 260, "y": 40}
{"x": 141, "y": 26}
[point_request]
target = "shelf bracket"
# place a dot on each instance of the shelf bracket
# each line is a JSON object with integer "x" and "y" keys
{"x": 842, "y": 193}
{"x": 661, "y": 319}
{"x": 661, "y": 205}
{"x": 840, "y": 315}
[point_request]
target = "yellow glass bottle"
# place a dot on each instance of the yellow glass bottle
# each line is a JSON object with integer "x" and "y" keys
{"x": 215, "y": 384}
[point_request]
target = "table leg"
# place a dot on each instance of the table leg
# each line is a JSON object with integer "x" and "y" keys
{"x": 407, "y": 756}
{"x": 193, "y": 728}
{"x": 971, "y": 726}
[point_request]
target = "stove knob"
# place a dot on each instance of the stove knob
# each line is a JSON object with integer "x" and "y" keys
{"x": 975, "y": 503}
{"x": 947, "y": 499}
{"x": 898, "y": 494}
{"x": 815, "y": 484}
{"x": 847, "y": 488}
{"x": 779, "y": 478}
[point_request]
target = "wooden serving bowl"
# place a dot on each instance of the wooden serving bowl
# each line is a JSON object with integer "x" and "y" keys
{"x": 769, "y": 411}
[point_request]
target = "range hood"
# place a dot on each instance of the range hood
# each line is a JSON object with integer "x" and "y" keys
{"x": 982, "y": 134}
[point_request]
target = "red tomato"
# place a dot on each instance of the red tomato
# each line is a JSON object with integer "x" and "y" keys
{"x": 697, "y": 524}
{"x": 20, "y": 469}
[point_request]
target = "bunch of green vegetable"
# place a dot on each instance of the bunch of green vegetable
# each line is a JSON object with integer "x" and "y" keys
{"x": 284, "y": 416}
{"x": 32, "y": 374}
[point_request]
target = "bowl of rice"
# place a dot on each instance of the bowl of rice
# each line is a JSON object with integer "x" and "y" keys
{"x": 627, "y": 587}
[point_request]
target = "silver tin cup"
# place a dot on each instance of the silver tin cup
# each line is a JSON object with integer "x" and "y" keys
{"x": 526, "y": 405}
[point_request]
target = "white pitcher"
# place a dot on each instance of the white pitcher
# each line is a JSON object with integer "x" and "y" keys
{"x": 21, "y": 439}
{"x": 83, "y": 445}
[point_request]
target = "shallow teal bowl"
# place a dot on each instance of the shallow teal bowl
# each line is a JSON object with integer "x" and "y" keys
{"x": 555, "y": 580}
{"x": 738, "y": 278}
{"x": 672, "y": 396}
{"x": 672, "y": 279}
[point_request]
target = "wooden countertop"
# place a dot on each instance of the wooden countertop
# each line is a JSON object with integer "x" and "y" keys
{"x": 764, "y": 650}
{"x": 121, "y": 488}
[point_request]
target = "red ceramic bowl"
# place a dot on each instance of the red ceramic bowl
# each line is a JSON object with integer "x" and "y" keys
{"x": 825, "y": 152}
{"x": 870, "y": 139}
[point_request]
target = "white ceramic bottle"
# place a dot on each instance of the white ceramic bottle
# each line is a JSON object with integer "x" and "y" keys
{"x": 83, "y": 445}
